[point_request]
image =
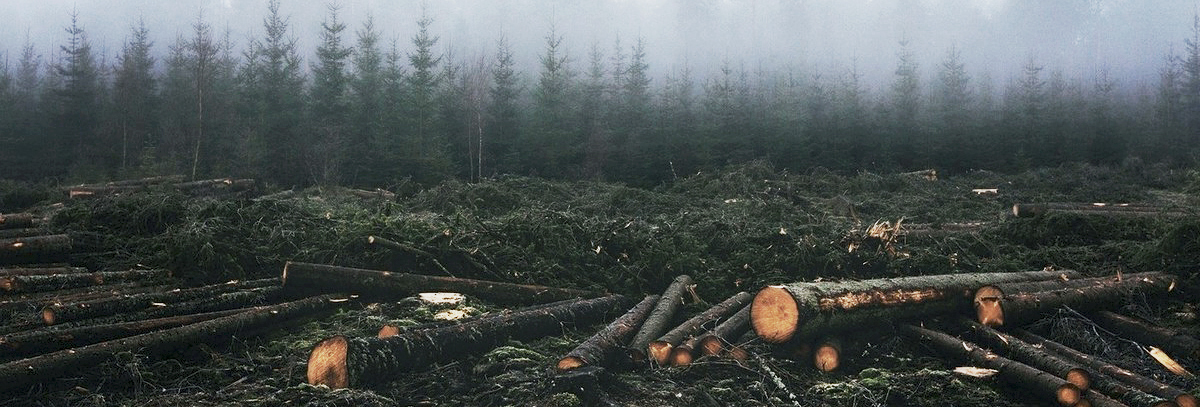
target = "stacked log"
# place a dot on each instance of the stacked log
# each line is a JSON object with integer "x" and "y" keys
{"x": 37, "y": 300}
{"x": 22, "y": 232}
{"x": 602, "y": 345}
{"x": 1105, "y": 209}
{"x": 52, "y": 282}
{"x": 1014, "y": 303}
{"x": 64, "y": 312}
{"x": 657, "y": 323}
{"x": 16, "y": 220}
{"x": 32, "y": 249}
{"x": 1029, "y": 354}
{"x": 662, "y": 350}
{"x": 1168, "y": 339}
{"x": 715, "y": 342}
{"x": 51, "y": 339}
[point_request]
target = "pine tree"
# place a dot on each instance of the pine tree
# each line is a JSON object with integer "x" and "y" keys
{"x": 77, "y": 117}
{"x": 135, "y": 94}
{"x": 329, "y": 100}
{"x": 504, "y": 112}
{"x": 677, "y": 124}
{"x": 594, "y": 114}
{"x": 552, "y": 146}
{"x": 634, "y": 150}
{"x": 1169, "y": 110}
{"x": 954, "y": 101}
{"x": 275, "y": 93}
{"x": 1191, "y": 84}
{"x": 201, "y": 60}
{"x": 905, "y": 108}
{"x": 422, "y": 105}
{"x": 367, "y": 101}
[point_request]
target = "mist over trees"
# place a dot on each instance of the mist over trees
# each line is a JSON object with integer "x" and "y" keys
{"x": 368, "y": 110}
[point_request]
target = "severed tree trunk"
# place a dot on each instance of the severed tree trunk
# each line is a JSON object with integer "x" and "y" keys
{"x": 804, "y": 310}
{"x": 35, "y": 301}
{"x": 22, "y": 232}
{"x": 827, "y": 354}
{"x": 378, "y": 193}
{"x": 1168, "y": 339}
{"x": 987, "y": 298}
{"x": 39, "y": 369}
{"x": 1015, "y": 304}
{"x": 386, "y": 284}
{"x": 341, "y": 362}
{"x": 161, "y": 179}
{"x": 16, "y": 220}
{"x": 1126, "y": 386}
{"x": 50, "y": 339}
{"x": 664, "y": 311}
{"x": 1026, "y": 353}
{"x": 33, "y": 271}
{"x": 23, "y": 249}
{"x": 1043, "y": 385}
{"x": 237, "y": 299}
{"x": 1107, "y": 209}
{"x": 59, "y": 313}
{"x": 393, "y": 245}
{"x": 599, "y": 347}
{"x": 52, "y": 282}
{"x": 713, "y": 342}
{"x": 660, "y": 350}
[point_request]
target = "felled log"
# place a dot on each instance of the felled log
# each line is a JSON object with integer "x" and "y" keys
{"x": 18, "y": 248}
{"x": 1168, "y": 339}
{"x": 16, "y": 220}
{"x": 1139, "y": 390}
{"x": 387, "y": 284}
{"x": 827, "y": 354}
{"x": 51, "y": 282}
{"x": 35, "y": 271}
{"x": 1012, "y": 304}
{"x": 780, "y": 313}
{"x": 23, "y": 373}
{"x": 608, "y": 341}
{"x": 161, "y": 179}
{"x": 237, "y": 299}
{"x": 22, "y": 232}
{"x": 713, "y": 342}
{"x": 660, "y": 349}
{"x": 929, "y": 174}
{"x": 1031, "y": 210}
{"x": 1029, "y": 354}
{"x": 393, "y": 245}
{"x": 919, "y": 230}
{"x": 1041, "y": 384}
{"x": 49, "y": 339}
{"x": 664, "y": 311}
{"x": 63, "y": 312}
{"x": 377, "y": 193}
{"x": 341, "y": 362}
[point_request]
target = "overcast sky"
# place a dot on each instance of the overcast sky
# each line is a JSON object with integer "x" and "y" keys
{"x": 1129, "y": 37}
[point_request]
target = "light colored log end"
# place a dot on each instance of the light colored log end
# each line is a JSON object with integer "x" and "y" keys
{"x": 8, "y": 284}
{"x": 711, "y": 345}
{"x": 569, "y": 363}
{"x": 371, "y": 239}
{"x": 1068, "y": 395}
{"x": 774, "y": 314}
{"x": 1079, "y": 378}
{"x": 987, "y": 306}
{"x": 1187, "y": 400}
{"x": 388, "y": 330}
{"x": 659, "y": 352}
{"x": 327, "y": 363}
{"x": 827, "y": 357}
{"x": 48, "y": 316}
{"x": 681, "y": 356}
{"x": 283, "y": 277}
{"x": 737, "y": 353}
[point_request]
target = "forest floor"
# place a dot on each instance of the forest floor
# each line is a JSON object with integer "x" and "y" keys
{"x": 737, "y": 229}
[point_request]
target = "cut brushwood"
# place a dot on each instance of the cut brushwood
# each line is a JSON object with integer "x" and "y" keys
{"x": 23, "y": 373}
{"x": 1029, "y": 354}
{"x": 50, "y": 339}
{"x": 780, "y": 313}
{"x": 1126, "y": 386}
{"x": 1013, "y": 304}
{"x": 660, "y": 349}
{"x": 1146, "y": 333}
{"x": 664, "y": 311}
{"x": 1043, "y": 385}
{"x": 599, "y": 347}
{"x": 1106, "y": 209}
{"x": 16, "y": 220}
{"x": 51, "y": 282}
{"x": 341, "y": 362}
{"x": 714, "y": 342}
{"x": 21, "y": 249}
{"x": 386, "y": 284}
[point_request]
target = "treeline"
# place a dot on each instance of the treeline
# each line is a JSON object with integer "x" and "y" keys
{"x": 369, "y": 112}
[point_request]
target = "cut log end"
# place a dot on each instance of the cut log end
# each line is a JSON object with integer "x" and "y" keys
{"x": 371, "y": 239}
{"x": 681, "y": 356}
{"x": 827, "y": 358}
{"x": 659, "y": 352}
{"x": 710, "y": 345}
{"x": 1187, "y": 400}
{"x": 774, "y": 314}
{"x": 7, "y": 284}
{"x": 48, "y": 316}
{"x": 569, "y": 363}
{"x": 1079, "y": 378}
{"x": 737, "y": 353}
{"x": 388, "y": 330}
{"x": 987, "y": 306}
{"x": 1068, "y": 395}
{"x": 1164, "y": 403}
{"x": 327, "y": 363}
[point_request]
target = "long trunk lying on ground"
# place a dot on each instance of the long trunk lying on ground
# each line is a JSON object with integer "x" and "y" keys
{"x": 1026, "y": 353}
{"x": 713, "y": 342}
{"x": 608, "y": 341}
{"x": 660, "y": 349}
{"x": 59, "y": 313}
{"x": 50, "y": 339}
{"x": 1141, "y": 390}
{"x": 386, "y": 284}
{"x": 1168, "y": 339}
{"x": 16, "y": 220}
{"x": 1043, "y": 385}
{"x": 52, "y": 282}
{"x": 35, "y": 271}
{"x": 1031, "y": 210}
{"x": 780, "y": 313}
{"x": 37, "y": 300}
{"x": 161, "y": 179}
{"x": 22, "y": 232}
{"x": 352, "y": 362}
{"x": 22, "y": 373}
{"x": 1013, "y": 304}
{"x": 18, "y": 249}
{"x": 657, "y": 323}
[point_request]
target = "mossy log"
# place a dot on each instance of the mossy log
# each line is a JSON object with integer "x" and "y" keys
{"x": 714, "y": 342}
{"x": 1042, "y": 385}
{"x": 607, "y": 342}
{"x": 1107, "y": 209}
{"x": 23, "y": 373}
{"x": 63, "y": 312}
{"x": 16, "y": 220}
{"x": 387, "y": 284}
{"x": 52, "y": 282}
{"x": 660, "y": 350}
{"x": 35, "y": 301}
{"x": 1014, "y": 304}
{"x": 1127, "y": 387}
{"x": 21, "y": 249}
{"x": 49, "y": 339}
{"x": 1029, "y": 354}
{"x": 341, "y": 362}
{"x": 237, "y": 299}
{"x": 22, "y": 232}
{"x": 804, "y": 310}
{"x": 34, "y": 271}
{"x": 1167, "y": 339}
{"x": 658, "y": 322}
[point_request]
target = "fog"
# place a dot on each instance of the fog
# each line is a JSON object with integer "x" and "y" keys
{"x": 1129, "y": 38}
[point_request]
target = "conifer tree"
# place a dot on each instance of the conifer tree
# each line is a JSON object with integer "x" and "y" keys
{"x": 135, "y": 93}
{"x": 504, "y": 111}
{"x": 275, "y": 92}
{"x": 329, "y": 100}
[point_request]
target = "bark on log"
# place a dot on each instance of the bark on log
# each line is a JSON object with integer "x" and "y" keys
{"x": 1167, "y": 339}
{"x": 51, "y": 282}
{"x": 22, "y": 232}
{"x": 827, "y": 354}
{"x": 657, "y": 323}
{"x": 713, "y": 343}
{"x": 386, "y": 284}
{"x": 35, "y": 271}
{"x": 341, "y": 362}
{"x": 50, "y": 339}
{"x": 238, "y": 299}
{"x": 1032, "y": 210}
{"x": 376, "y": 240}
{"x": 161, "y": 179}
{"x": 23, "y": 373}
{"x": 1136, "y": 389}
{"x": 1017, "y": 303}
{"x": 59, "y": 313}
{"x": 780, "y": 313}
{"x": 1044, "y": 385}
{"x": 1029, "y": 354}
{"x": 660, "y": 350}
{"x": 35, "y": 301}
{"x": 16, "y": 220}
{"x": 599, "y": 347}
{"x": 20, "y": 248}
{"x": 375, "y": 194}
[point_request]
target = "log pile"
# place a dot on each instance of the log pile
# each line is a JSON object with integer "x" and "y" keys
{"x": 210, "y": 187}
